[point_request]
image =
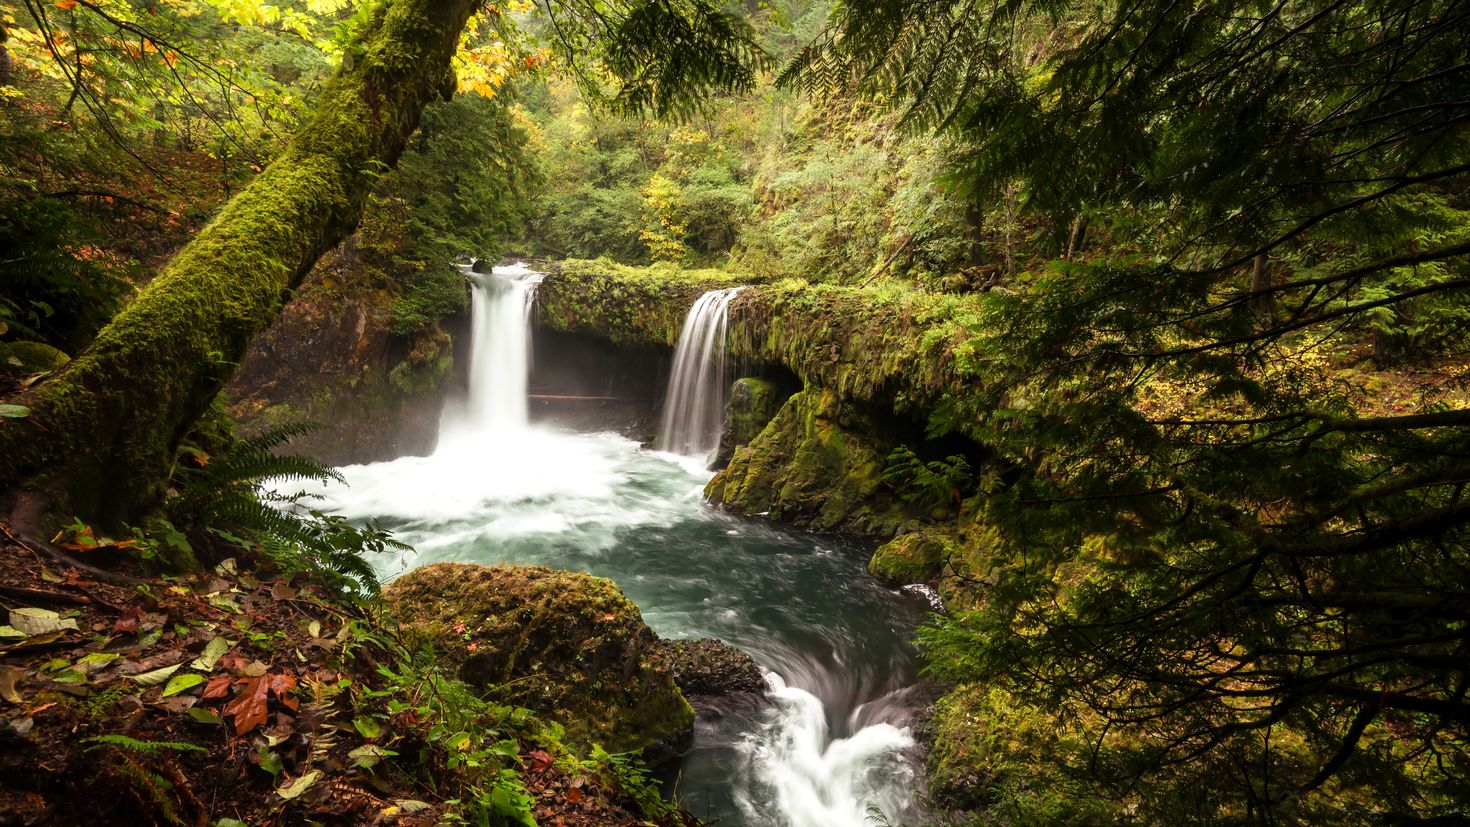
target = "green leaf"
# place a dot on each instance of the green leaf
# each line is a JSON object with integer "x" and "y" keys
{"x": 203, "y": 716}
{"x": 179, "y": 683}
{"x": 369, "y": 755}
{"x": 299, "y": 786}
{"x": 157, "y": 676}
{"x": 367, "y": 727}
{"x": 34, "y": 622}
{"x": 213, "y": 651}
{"x": 14, "y": 411}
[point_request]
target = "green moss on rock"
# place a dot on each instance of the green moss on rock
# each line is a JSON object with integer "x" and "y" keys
{"x": 566, "y": 644}
{"x": 30, "y": 357}
{"x": 818, "y": 463}
{"x": 753, "y": 404}
{"x": 916, "y": 557}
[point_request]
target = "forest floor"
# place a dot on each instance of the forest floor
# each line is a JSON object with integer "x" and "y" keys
{"x": 225, "y": 698}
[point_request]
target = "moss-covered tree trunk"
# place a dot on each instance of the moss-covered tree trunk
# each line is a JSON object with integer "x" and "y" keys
{"x": 102, "y": 433}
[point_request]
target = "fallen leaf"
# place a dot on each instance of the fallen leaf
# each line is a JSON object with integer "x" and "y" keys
{"x": 299, "y": 786}
{"x": 21, "y": 411}
{"x": 50, "y": 576}
{"x": 219, "y": 686}
{"x": 10, "y": 632}
{"x": 9, "y": 677}
{"x": 412, "y": 805}
{"x": 213, "y": 651}
{"x": 368, "y": 756}
{"x": 249, "y": 706}
{"x": 157, "y": 676}
{"x": 91, "y": 663}
{"x": 180, "y": 683}
{"x": 204, "y": 716}
{"x": 182, "y": 703}
{"x": 40, "y": 621}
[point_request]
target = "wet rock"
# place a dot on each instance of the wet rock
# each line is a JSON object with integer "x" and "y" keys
{"x": 566, "y": 644}
{"x": 706, "y": 667}
{"x": 916, "y": 557}
{"x": 753, "y": 403}
{"x": 818, "y": 464}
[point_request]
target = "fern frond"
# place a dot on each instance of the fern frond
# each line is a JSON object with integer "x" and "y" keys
{"x": 135, "y": 745}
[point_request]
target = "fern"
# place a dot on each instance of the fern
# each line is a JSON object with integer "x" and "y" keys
{"x": 136, "y": 745}
{"x": 229, "y": 496}
{"x": 932, "y": 484}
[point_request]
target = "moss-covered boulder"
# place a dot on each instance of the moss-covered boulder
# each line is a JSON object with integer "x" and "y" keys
{"x": 30, "y": 357}
{"x": 916, "y": 557}
{"x": 566, "y": 644}
{"x": 753, "y": 403}
{"x": 706, "y": 667}
{"x": 819, "y": 464}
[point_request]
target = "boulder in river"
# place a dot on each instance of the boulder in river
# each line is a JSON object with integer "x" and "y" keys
{"x": 705, "y": 667}
{"x": 916, "y": 557}
{"x": 566, "y": 644}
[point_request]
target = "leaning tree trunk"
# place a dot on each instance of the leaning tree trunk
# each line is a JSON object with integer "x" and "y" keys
{"x": 101, "y": 435}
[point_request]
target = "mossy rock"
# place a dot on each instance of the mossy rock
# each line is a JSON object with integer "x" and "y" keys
{"x": 916, "y": 557}
{"x": 566, "y": 644}
{"x": 30, "y": 357}
{"x": 819, "y": 464}
{"x": 710, "y": 668}
{"x": 753, "y": 404}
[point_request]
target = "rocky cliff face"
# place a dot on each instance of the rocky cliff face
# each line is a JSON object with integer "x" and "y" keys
{"x": 332, "y": 359}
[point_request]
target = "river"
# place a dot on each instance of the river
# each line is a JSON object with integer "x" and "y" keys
{"x": 831, "y": 746}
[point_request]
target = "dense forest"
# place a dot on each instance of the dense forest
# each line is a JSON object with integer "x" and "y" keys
{"x": 1133, "y": 333}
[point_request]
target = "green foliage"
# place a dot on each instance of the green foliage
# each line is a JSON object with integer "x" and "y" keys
{"x": 475, "y": 741}
{"x": 624, "y": 772}
{"x": 461, "y": 190}
{"x": 54, "y": 285}
{"x": 1214, "y": 557}
{"x": 230, "y": 496}
{"x": 933, "y": 484}
{"x": 131, "y": 744}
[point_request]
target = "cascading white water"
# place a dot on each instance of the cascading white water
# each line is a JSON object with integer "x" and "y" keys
{"x": 694, "y": 407}
{"x": 815, "y": 780}
{"x": 500, "y": 343}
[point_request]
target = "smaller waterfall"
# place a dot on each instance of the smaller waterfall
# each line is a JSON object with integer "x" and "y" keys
{"x": 694, "y": 408}
{"x": 501, "y": 350}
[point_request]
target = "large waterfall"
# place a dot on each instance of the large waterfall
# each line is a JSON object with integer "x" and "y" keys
{"x": 831, "y": 741}
{"x": 500, "y": 357}
{"x": 694, "y": 407}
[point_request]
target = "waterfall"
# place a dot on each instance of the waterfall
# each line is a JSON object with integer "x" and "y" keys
{"x": 694, "y": 407}
{"x": 500, "y": 354}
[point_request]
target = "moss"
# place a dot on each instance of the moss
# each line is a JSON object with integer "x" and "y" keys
{"x": 118, "y": 410}
{"x": 625, "y": 305}
{"x": 30, "y": 357}
{"x": 916, "y": 557}
{"x": 753, "y": 404}
{"x": 818, "y": 464}
{"x": 566, "y": 644}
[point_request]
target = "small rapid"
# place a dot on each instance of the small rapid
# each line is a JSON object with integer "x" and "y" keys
{"x": 831, "y": 745}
